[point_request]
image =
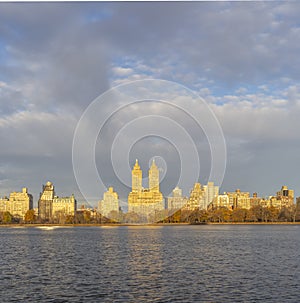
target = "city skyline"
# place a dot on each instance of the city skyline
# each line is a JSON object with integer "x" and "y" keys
{"x": 241, "y": 58}
{"x": 210, "y": 190}
{"x": 148, "y": 205}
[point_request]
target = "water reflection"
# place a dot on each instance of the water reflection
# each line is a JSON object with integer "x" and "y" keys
{"x": 150, "y": 264}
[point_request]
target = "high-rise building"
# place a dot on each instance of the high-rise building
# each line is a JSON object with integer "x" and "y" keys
{"x": 146, "y": 202}
{"x": 154, "y": 178}
{"x": 285, "y": 197}
{"x": 176, "y": 201}
{"x": 20, "y": 203}
{"x": 196, "y": 199}
{"x": 210, "y": 192}
{"x": 202, "y": 196}
{"x": 46, "y": 201}
{"x": 51, "y": 206}
{"x": 255, "y": 200}
{"x": 109, "y": 203}
{"x": 221, "y": 201}
{"x": 239, "y": 199}
{"x": 137, "y": 178}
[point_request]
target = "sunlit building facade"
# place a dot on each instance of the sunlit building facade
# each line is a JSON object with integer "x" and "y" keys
{"x": 285, "y": 197}
{"x": 239, "y": 199}
{"x": 255, "y": 200}
{"x": 51, "y": 206}
{"x": 146, "y": 202}
{"x": 63, "y": 206}
{"x": 4, "y": 204}
{"x": 196, "y": 199}
{"x": 46, "y": 201}
{"x": 210, "y": 191}
{"x": 176, "y": 201}
{"x": 19, "y": 203}
{"x": 221, "y": 201}
{"x": 109, "y": 203}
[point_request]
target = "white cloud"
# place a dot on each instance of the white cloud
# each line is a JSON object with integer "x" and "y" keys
{"x": 36, "y": 133}
{"x": 242, "y": 57}
{"x": 122, "y": 71}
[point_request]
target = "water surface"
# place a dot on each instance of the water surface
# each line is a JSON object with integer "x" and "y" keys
{"x": 213, "y": 263}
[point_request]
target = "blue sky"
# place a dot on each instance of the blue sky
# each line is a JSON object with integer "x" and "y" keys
{"x": 241, "y": 57}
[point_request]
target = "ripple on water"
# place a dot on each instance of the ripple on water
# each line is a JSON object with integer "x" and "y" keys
{"x": 166, "y": 264}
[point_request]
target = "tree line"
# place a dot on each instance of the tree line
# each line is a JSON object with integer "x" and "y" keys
{"x": 256, "y": 214}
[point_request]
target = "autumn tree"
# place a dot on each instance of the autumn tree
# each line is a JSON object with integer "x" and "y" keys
{"x": 7, "y": 217}
{"x": 30, "y": 216}
{"x": 203, "y": 216}
{"x": 220, "y": 214}
{"x": 239, "y": 215}
{"x": 132, "y": 217}
{"x": 114, "y": 216}
{"x": 272, "y": 214}
{"x": 87, "y": 216}
{"x": 70, "y": 219}
{"x": 251, "y": 216}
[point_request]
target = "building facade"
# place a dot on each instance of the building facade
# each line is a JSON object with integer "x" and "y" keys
{"x": 63, "y": 206}
{"x": 20, "y": 202}
{"x": 146, "y": 202}
{"x": 4, "y": 204}
{"x": 239, "y": 199}
{"x": 51, "y": 206}
{"x": 109, "y": 203}
{"x": 255, "y": 200}
{"x": 196, "y": 198}
{"x": 210, "y": 193}
{"x": 46, "y": 201}
{"x": 201, "y": 197}
{"x": 284, "y": 197}
{"x": 176, "y": 201}
{"x": 221, "y": 201}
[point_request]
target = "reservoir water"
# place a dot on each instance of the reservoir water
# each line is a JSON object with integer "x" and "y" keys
{"x": 211, "y": 263}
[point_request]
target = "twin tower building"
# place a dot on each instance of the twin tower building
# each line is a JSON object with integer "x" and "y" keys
{"x": 145, "y": 201}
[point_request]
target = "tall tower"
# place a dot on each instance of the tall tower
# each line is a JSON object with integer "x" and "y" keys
{"x": 146, "y": 203}
{"x": 46, "y": 201}
{"x": 137, "y": 178}
{"x": 154, "y": 178}
{"x": 210, "y": 192}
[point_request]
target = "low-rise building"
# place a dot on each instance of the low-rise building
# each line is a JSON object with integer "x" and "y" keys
{"x": 63, "y": 206}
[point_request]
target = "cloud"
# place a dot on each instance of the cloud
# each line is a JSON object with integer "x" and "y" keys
{"x": 122, "y": 71}
{"x": 55, "y": 58}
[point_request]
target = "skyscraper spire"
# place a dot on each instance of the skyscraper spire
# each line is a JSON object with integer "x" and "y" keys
{"x": 137, "y": 177}
{"x": 154, "y": 177}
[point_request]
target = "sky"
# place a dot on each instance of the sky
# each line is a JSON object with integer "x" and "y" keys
{"x": 241, "y": 58}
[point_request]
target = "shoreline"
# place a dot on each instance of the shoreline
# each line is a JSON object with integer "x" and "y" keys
{"x": 142, "y": 224}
